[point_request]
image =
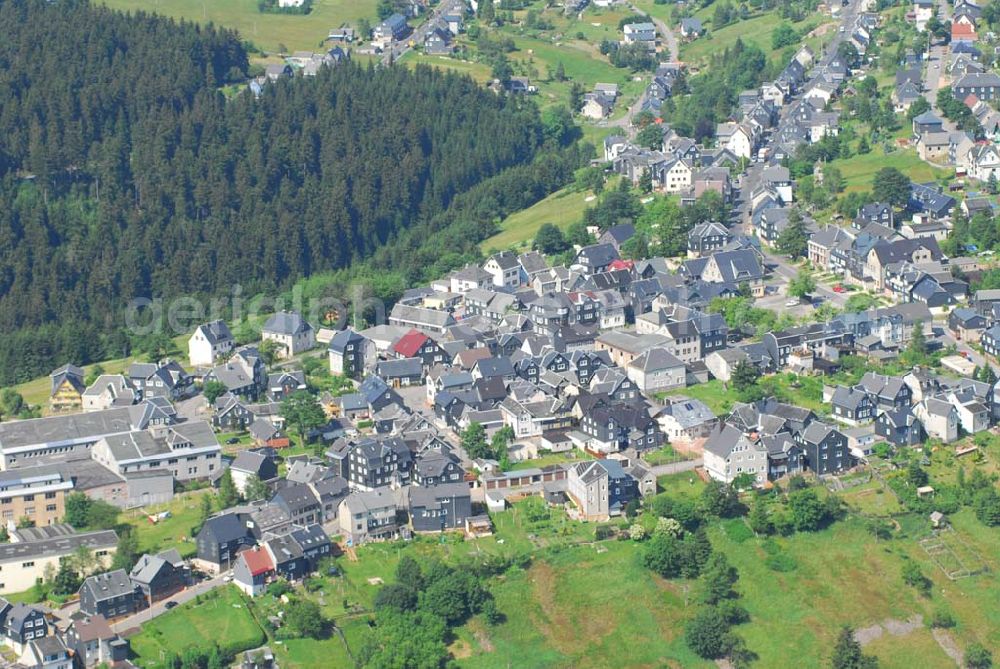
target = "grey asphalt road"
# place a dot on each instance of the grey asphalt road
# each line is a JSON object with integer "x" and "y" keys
{"x": 418, "y": 35}
{"x": 934, "y": 73}
{"x": 669, "y": 38}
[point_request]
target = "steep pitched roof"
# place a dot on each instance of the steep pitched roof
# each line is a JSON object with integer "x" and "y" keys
{"x": 286, "y": 323}
{"x": 409, "y": 344}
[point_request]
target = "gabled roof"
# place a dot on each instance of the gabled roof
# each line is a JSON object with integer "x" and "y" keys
{"x": 409, "y": 344}
{"x": 258, "y": 561}
{"x": 226, "y": 527}
{"x": 927, "y": 118}
{"x": 286, "y": 323}
{"x": 249, "y": 461}
{"x": 215, "y": 331}
{"x": 108, "y": 585}
{"x": 147, "y": 568}
{"x": 816, "y": 432}
{"x": 724, "y": 438}
{"x": 598, "y": 255}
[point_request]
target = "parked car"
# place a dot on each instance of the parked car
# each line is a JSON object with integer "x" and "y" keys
{"x": 838, "y": 289}
{"x": 169, "y": 605}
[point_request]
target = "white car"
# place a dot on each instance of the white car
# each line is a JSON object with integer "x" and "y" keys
{"x": 792, "y": 303}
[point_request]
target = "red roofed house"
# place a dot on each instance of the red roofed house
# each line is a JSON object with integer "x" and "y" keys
{"x": 971, "y": 100}
{"x": 416, "y": 344}
{"x": 621, "y": 264}
{"x": 963, "y": 31}
{"x": 252, "y": 569}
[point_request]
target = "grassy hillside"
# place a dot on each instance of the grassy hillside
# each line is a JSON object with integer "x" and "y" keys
{"x": 267, "y": 31}
{"x": 756, "y": 30}
{"x": 585, "y": 604}
{"x": 561, "y": 208}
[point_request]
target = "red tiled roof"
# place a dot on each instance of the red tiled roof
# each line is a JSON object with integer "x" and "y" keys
{"x": 621, "y": 264}
{"x": 970, "y": 100}
{"x": 408, "y": 345}
{"x": 962, "y": 30}
{"x": 258, "y": 561}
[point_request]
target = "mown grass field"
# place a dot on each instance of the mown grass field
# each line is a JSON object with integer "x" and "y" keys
{"x": 172, "y": 532}
{"x": 547, "y": 458}
{"x": 220, "y": 617}
{"x": 859, "y": 170}
{"x": 267, "y": 31}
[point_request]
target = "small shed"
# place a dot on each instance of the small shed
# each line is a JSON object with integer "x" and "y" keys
{"x": 925, "y": 491}
{"x": 938, "y": 519}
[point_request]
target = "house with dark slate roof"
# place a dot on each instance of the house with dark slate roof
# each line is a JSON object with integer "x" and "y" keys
{"x": 157, "y": 577}
{"x": 439, "y": 508}
{"x": 290, "y": 332}
{"x": 21, "y": 624}
{"x": 372, "y": 462}
{"x": 300, "y": 503}
{"x": 437, "y": 466}
{"x": 900, "y": 427}
{"x": 111, "y": 594}
{"x": 596, "y": 257}
{"x": 350, "y": 353}
{"x": 825, "y": 449}
{"x": 852, "y": 405}
{"x": 222, "y": 537}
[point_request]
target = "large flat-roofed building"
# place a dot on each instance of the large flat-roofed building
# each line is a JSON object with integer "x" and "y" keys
{"x": 36, "y": 441}
{"x": 35, "y": 493}
{"x": 187, "y": 450}
{"x": 31, "y": 551}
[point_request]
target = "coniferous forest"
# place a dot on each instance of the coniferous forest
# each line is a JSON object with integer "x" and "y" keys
{"x": 125, "y": 171}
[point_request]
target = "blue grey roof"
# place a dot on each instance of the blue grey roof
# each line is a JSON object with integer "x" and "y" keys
{"x": 372, "y": 387}
{"x": 339, "y": 341}
{"x": 226, "y": 527}
{"x": 216, "y": 331}
{"x": 499, "y": 366}
{"x": 400, "y": 367}
{"x": 286, "y": 323}
{"x": 598, "y": 255}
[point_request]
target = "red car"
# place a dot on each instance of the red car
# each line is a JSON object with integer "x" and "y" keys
{"x": 838, "y": 288}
